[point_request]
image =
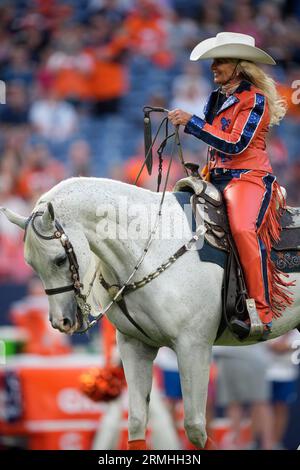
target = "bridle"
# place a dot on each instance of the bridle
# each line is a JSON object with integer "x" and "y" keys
{"x": 60, "y": 235}
{"x": 76, "y": 285}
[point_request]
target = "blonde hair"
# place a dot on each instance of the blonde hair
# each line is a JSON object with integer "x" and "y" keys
{"x": 254, "y": 74}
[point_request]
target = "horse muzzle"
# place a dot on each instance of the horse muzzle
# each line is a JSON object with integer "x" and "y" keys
{"x": 65, "y": 324}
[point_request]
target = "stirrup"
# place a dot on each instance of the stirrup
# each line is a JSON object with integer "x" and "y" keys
{"x": 257, "y": 326}
{"x": 251, "y": 329}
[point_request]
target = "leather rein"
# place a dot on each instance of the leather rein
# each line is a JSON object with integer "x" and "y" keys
{"x": 115, "y": 291}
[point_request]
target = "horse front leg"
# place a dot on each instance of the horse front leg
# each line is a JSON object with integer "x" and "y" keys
{"x": 194, "y": 364}
{"x": 137, "y": 359}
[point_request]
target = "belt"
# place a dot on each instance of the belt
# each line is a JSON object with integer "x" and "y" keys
{"x": 220, "y": 171}
{"x": 227, "y": 171}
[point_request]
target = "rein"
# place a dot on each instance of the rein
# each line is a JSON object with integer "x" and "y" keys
{"x": 115, "y": 291}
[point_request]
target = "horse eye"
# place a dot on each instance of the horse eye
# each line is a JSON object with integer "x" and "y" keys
{"x": 61, "y": 260}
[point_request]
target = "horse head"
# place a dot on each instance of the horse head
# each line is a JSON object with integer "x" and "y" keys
{"x": 61, "y": 260}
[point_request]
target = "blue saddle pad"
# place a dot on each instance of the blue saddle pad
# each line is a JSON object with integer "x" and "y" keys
{"x": 207, "y": 253}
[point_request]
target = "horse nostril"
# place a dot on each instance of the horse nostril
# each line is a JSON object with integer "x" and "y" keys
{"x": 67, "y": 322}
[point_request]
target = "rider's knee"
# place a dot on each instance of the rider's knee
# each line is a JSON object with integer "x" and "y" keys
{"x": 239, "y": 230}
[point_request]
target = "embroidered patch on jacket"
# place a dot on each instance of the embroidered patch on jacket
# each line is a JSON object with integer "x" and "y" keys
{"x": 225, "y": 123}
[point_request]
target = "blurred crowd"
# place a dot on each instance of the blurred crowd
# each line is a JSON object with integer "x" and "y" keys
{"x": 77, "y": 73}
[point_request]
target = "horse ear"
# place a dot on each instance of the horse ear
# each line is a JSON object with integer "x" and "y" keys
{"x": 51, "y": 211}
{"x": 14, "y": 218}
{"x": 48, "y": 216}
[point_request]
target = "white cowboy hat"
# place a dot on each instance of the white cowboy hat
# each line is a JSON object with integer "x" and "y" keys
{"x": 231, "y": 46}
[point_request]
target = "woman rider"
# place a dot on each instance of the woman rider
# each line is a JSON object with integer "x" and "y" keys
{"x": 237, "y": 119}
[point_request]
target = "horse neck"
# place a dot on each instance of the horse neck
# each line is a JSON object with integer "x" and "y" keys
{"x": 99, "y": 202}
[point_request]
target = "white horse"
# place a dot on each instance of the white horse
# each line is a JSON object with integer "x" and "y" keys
{"x": 181, "y": 308}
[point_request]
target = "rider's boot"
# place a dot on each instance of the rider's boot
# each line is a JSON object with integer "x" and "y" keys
{"x": 242, "y": 328}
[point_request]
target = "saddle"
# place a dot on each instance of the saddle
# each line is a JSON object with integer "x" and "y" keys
{"x": 209, "y": 211}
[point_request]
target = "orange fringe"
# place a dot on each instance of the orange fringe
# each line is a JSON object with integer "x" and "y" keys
{"x": 269, "y": 233}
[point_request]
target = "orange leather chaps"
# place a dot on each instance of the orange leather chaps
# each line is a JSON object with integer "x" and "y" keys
{"x": 252, "y": 199}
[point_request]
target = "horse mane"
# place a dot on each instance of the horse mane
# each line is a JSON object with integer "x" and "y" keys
{"x": 66, "y": 187}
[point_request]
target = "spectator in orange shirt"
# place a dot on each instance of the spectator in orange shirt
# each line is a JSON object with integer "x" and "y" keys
{"x": 40, "y": 172}
{"x": 108, "y": 79}
{"x": 71, "y": 66}
{"x": 147, "y": 33}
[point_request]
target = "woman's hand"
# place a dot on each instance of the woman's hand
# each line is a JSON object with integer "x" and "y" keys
{"x": 179, "y": 117}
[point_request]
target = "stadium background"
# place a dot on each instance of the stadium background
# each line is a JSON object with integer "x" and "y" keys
{"x": 77, "y": 74}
